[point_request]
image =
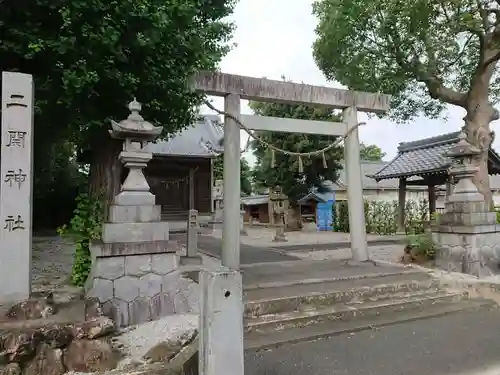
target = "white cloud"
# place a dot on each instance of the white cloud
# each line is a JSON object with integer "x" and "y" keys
{"x": 275, "y": 37}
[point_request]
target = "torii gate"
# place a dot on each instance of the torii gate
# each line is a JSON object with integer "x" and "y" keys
{"x": 224, "y": 356}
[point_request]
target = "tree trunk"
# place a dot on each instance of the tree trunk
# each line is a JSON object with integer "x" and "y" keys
{"x": 105, "y": 169}
{"x": 477, "y": 125}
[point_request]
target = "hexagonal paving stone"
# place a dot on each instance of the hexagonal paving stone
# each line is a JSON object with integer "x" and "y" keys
{"x": 109, "y": 268}
{"x": 139, "y": 310}
{"x": 101, "y": 289}
{"x": 164, "y": 263}
{"x": 149, "y": 285}
{"x": 118, "y": 311}
{"x": 127, "y": 288}
{"x": 137, "y": 265}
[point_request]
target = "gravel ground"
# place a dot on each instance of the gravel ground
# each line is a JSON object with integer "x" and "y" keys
{"x": 52, "y": 261}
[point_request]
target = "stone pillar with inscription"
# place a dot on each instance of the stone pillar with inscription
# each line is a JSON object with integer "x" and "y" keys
{"x": 135, "y": 266}
{"x": 16, "y": 192}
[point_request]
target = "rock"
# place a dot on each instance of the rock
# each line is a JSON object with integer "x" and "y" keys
{"x": 407, "y": 259}
{"x": 163, "y": 352}
{"x": 36, "y": 308}
{"x": 10, "y": 369}
{"x": 57, "y": 336}
{"x": 94, "y": 328}
{"x": 48, "y": 361}
{"x": 21, "y": 346}
{"x": 93, "y": 309}
{"x": 90, "y": 356}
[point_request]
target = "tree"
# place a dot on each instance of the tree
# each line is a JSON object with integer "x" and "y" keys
{"x": 427, "y": 53}
{"x": 285, "y": 173}
{"x": 89, "y": 58}
{"x": 371, "y": 152}
{"x": 245, "y": 173}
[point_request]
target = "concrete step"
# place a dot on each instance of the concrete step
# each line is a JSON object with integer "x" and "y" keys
{"x": 346, "y": 311}
{"x": 369, "y": 318}
{"x": 309, "y": 295}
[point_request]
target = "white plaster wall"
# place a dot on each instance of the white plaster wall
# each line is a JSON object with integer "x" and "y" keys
{"x": 392, "y": 195}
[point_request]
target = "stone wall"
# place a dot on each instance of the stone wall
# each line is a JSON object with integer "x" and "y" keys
{"x": 472, "y": 250}
{"x": 139, "y": 288}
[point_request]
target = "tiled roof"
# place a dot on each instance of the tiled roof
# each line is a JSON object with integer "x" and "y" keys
{"x": 200, "y": 139}
{"x": 368, "y": 168}
{"x": 425, "y": 157}
{"x": 254, "y": 200}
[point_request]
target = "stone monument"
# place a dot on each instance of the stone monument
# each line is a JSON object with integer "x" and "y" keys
{"x": 133, "y": 267}
{"x": 16, "y": 193}
{"x": 467, "y": 238}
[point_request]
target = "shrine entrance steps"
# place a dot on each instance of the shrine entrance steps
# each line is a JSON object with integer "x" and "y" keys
{"x": 289, "y": 302}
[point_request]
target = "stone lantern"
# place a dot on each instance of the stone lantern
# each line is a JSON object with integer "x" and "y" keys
{"x": 462, "y": 171}
{"x": 279, "y": 207}
{"x": 132, "y": 264}
{"x": 135, "y": 132}
{"x": 466, "y": 237}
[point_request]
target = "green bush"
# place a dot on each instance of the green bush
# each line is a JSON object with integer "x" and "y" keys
{"x": 422, "y": 245}
{"x": 381, "y": 217}
{"x": 84, "y": 227}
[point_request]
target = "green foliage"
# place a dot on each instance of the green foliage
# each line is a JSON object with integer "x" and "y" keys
{"x": 371, "y": 152}
{"x": 245, "y": 173}
{"x": 84, "y": 227}
{"x": 422, "y": 245}
{"x": 424, "y": 52}
{"x": 89, "y": 58}
{"x": 286, "y": 173}
{"x": 58, "y": 179}
{"x": 381, "y": 217}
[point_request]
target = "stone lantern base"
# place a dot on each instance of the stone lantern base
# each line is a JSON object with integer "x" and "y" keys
{"x": 470, "y": 243}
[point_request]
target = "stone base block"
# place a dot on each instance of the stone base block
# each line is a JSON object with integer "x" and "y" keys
{"x": 141, "y": 288}
{"x": 134, "y": 214}
{"x": 476, "y": 254}
{"x": 135, "y": 198}
{"x": 100, "y": 249}
{"x": 134, "y": 232}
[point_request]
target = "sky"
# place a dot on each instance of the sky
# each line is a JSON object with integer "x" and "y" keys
{"x": 274, "y": 38}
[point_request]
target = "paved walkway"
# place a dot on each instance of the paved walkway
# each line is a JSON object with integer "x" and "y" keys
{"x": 465, "y": 343}
{"x": 263, "y": 237}
{"x": 248, "y": 254}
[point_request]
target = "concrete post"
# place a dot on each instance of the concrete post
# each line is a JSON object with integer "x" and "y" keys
{"x": 221, "y": 323}
{"x": 355, "y": 188}
{"x": 17, "y": 188}
{"x": 191, "y": 190}
{"x": 401, "y": 205}
{"x": 192, "y": 234}
{"x": 243, "y": 231}
{"x": 231, "y": 216}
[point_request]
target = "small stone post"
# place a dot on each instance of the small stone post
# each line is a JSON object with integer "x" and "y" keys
{"x": 192, "y": 258}
{"x": 243, "y": 231}
{"x": 221, "y": 323}
{"x": 192, "y": 234}
{"x": 16, "y": 193}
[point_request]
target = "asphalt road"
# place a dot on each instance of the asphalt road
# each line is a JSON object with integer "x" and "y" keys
{"x": 464, "y": 343}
